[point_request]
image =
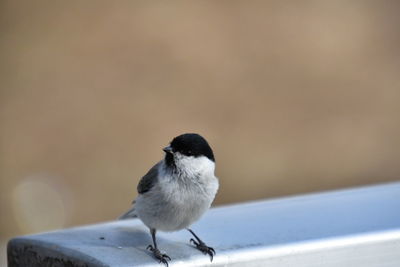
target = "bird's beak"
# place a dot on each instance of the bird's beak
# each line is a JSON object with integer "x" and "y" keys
{"x": 168, "y": 149}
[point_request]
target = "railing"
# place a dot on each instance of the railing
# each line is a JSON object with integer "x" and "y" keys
{"x": 353, "y": 227}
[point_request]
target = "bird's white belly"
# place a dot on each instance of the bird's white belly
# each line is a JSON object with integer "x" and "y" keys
{"x": 176, "y": 208}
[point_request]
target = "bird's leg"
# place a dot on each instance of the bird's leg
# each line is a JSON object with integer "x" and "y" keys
{"x": 200, "y": 245}
{"x": 156, "y": 252}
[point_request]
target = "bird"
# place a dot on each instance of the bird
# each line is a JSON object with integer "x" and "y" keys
{"x": 177, "y": 191}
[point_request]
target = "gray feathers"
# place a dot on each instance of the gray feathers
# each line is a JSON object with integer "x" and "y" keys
{"x": 130, "y": 214}
{"x": 179, "y": 197}
{"x": 148, "y": 181}
{"x": 145, "y": 185}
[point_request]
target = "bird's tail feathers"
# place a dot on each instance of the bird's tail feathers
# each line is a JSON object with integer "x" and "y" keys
{"x": 130, "y": 214}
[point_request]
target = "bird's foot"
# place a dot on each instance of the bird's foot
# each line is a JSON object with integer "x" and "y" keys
{"x": 200, "y": 245}
{"x": 158, "y": 255}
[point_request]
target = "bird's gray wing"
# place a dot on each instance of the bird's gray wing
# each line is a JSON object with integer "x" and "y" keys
{"x": 148, "y": 181}
{"x": 145, "y": 185}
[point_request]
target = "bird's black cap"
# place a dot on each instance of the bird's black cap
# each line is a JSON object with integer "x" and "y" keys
{"x": 192, "y": 144}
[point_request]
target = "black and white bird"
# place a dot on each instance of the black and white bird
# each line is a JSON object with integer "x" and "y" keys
{"x": 177, "y": 191}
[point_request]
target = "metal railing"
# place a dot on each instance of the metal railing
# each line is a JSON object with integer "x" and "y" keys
{"x": 353, "y": 227}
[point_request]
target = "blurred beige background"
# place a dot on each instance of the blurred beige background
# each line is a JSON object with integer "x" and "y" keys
{"x": 294, "y": 97}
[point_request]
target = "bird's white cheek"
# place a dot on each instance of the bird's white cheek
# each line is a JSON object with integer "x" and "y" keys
{"x": 195, "y": 165}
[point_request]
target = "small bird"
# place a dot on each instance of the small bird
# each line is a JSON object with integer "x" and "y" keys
{"x": 177, "y": 191}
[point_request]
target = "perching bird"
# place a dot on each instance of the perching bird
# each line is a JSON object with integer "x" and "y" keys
{"x": 177, "y": 191}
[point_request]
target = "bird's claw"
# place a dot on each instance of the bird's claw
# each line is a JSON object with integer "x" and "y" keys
{"x": 158, "y": 255}
{"x": 204, "y": 248}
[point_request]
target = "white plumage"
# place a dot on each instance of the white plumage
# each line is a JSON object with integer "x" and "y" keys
{"x": 178, "y": 198}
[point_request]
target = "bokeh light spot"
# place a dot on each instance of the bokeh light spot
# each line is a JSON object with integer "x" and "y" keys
{"x": 38, "y": 206}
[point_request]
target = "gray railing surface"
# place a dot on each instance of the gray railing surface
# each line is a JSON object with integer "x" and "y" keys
{"x": 353, "y": 227}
